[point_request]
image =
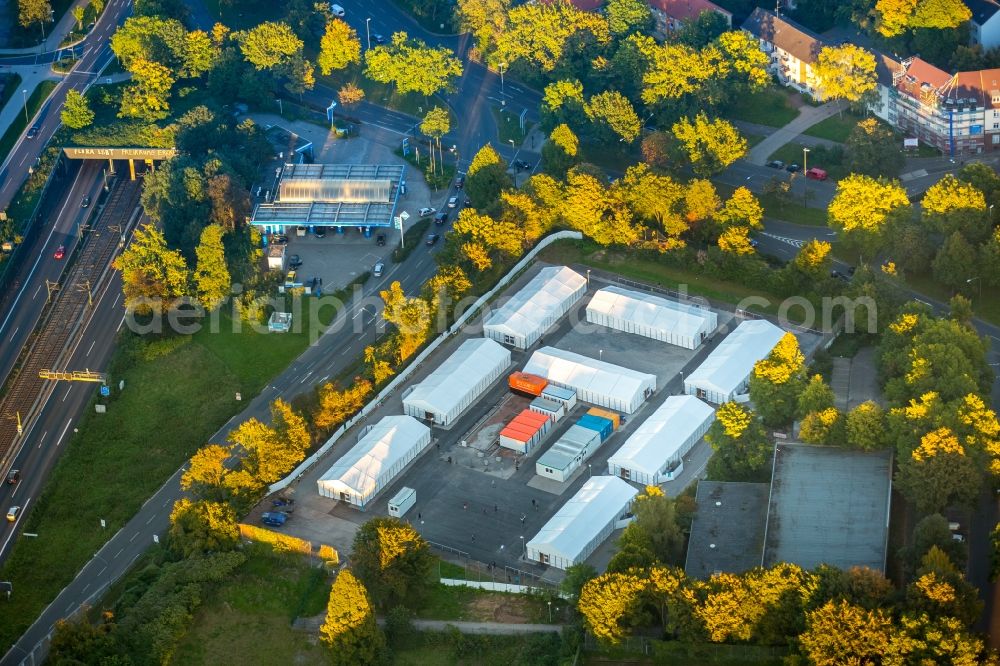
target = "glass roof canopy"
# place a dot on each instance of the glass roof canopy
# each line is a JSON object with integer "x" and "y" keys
{"x": 336, "y": 195}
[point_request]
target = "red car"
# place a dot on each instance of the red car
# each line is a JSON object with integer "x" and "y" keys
{"x": 60, "y": 252}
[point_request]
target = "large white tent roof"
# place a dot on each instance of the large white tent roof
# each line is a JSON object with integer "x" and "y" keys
{"x": 388, "y": 442}
{"x": 584, "y": 516}
{"x": 660, "y": 436}
{"x": 585, "y": 373}
{"x": 731, "y": 362}
{"x": 651, "y": 311}
{"x": 446, "y": 387}
{"x": 537, "y": 302}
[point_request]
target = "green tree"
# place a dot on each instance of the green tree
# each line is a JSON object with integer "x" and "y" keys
{"x": 436, "y": 123}
{"x": 701, "y": 31}
{"x": 78, "y": 13}
{"x": 952, "y": 205}
{"x": 151, "y": 38}
{"x": 866, "y": 426}
{"x": 230, "y": 202}
{"x": 939, "y": 473}
{"x": 655, "y": 514}
{"x": 656, "y": 149}
{"x": 825, "y": 427}
{"x": 268, "y": 452}
{"x": 711, "y": 145}
{"x": 200, "y": 53}
{"x": 815, "y": 397}
{"x": 211, "y": 276}
{"x": 845, "y": 72}
{"x": 300, "y": 75}
{"x": 392, "y": 560}
{"x": 269, "y": 45}
{"x": 76, "y": 112}
{"x": 983, "y": 178}
{"x": 576, "y": 577}
{"x": 955, "y": 263}
{"x": 872, "y": 149}
{"x": 200, "y": 526}
{"x": 539, "y": 33}
{"x": 931, "y": 531}
{"x": 412, "y": 66}
{"x": 81, "y": 642}
{"x": 154, "y": 277}
{"x": 349, "y": 630}
{"x": 485, "y": 19}
{"x": 627, "y": 16}
{"x": 487, "y": 177}
{"x": 612, "y": 112}
{"x": 741, "y": 447}
{"x": 338, "y": 48}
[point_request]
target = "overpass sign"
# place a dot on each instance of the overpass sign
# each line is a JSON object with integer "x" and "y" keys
{"x": 80, "y": 153}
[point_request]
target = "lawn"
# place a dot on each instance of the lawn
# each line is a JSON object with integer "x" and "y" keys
{"x": 611, "y": 159}
{"x": 769, "y": 107}
{"x": 792, "y": 211}
{"x": 834, "y": 128}
{"x": 244, "y": 15}
{"x": 652, "y": 272}
{"x": 35, "y": 101}
{"x": 11, "y": 84}
{"x": 509, "y": 126}
{"x": 172, "y": 404}
{"x": 251, "y": 614}
{"x": 985, "y": 304}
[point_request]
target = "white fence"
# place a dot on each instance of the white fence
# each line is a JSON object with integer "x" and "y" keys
{"x": 405, "y": 373}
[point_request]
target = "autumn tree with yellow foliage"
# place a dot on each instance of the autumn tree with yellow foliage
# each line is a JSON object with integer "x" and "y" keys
{"x": 742, "y": 449}
{"x": 349, "y": 629}
{"x": 392, "y": 560}
{"x": 335, "y": 405}
{"x": 862, "y": 208}
{"x": 711, "y": 145}
{"x": 845, "y": 72}
{"x": 777, "y": 381}
{"x": 202, "y": 526}
{"x": 410, "y": 316}
{"x": 951, "y": 205}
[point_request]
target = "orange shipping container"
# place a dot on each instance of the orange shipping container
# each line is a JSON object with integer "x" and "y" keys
{"x": 522, "y": 382}
{"x": 614, "y": 417}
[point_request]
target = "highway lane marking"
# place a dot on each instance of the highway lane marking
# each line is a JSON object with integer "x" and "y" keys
{"x": 67, "y": 393}
{"x": 151, "y": 519}
{"x": 42, "y": 438}
{"x": 37, "y": 291}
{"x": 103, "y": 569}
{"x": 118, "y": 553}
{"x": 325, "y": 377}
{"x": 68, "y": 424}
{"x": 120, "y": 323}
{"x": 85, "y": 587}
{"x": 303, "y": 380}
{"x": 24, "y": 509}
{"x": 91, "y": 347}
{"x": 14, "y": 333}
{"x": 133, "y": 537}
{"x": 346, "y": 349}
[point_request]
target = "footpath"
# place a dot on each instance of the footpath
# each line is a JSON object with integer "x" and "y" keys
{"x": 312, "y": 625}
{"x": 808, "y": 116}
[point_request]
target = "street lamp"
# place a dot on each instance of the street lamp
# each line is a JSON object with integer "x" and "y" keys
{"x": 588, "y": 278}
{"x": 805, "y": 169}
{"x": 368, "y": 31}
{"x": 590, "y": 470}
{"x": 524, "y": 549}
{"x": 550, "y": 612}
{"x": 24, "y": 98}
{"x": 979, "y": 280}
{"x": 502, "y": 100}
{"x": 513, "y": 160}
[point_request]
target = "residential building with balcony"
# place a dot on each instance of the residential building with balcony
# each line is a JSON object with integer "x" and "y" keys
{"x": 792, "y": 48}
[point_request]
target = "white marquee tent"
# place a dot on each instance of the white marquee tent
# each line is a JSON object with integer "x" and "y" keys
{"x": 725, "y": 373}
{"x": 375, "y": 460}
{"x": 669, "y": 321}
{"x": 655, "y": 451}
{"x": 597, "y": 382}
{"x": 457, "y": 382}
{"x": 583, "y": 523}
{"x": 537, "y": 306}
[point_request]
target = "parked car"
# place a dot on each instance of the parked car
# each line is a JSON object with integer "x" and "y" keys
{"x": 816, "y": 173}
{"x": 13, "y": 513}
{"x": 467, "y": 202}
{"x": 378, "y": 269}
{"x": 13, "y": 476}
{"x": 85, "y": 202}
{"x": 320, "y": 232}
{"x": 294, "y": 261}
{"x": 432, "y": 239}
{"x": 426, "y": 212}
{"x": 337, "y": 10}
{"x": 378, "y": 38}
{"x": 453, "y": 202}
{"x": 521, "y": 165}
{"x": 60, "y": 252}
{"x": 33, "y": 132}
{"x": 440, "y": 218}
{"x": 281, "y": 501}
{"x": 279, "y": 239}
{"x": 754, "y": 243}
{"x": 792, "y": 168}
{"x": 272, "y": 518}
{"x": 380, "y": 240}
{"x": 460, "y": 182}
{"x": 776, "y": 164}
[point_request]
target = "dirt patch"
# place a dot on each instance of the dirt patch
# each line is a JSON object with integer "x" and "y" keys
{"x": 503, "y": 608}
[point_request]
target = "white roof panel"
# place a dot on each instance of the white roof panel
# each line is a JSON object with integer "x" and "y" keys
{"x": 388, "y": 442}
{"x": 651, "y": 311}
{"x": 545, "y": 297}
{"x": 581, "y": 519}
{"x": 585, "y": 373}
{"x": 731, "y": 362}
{"x": 660, "y": 436}
{"x": 446, "y": 387}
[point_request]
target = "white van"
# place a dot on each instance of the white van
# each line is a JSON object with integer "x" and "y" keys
{"x": 337, "y": 10}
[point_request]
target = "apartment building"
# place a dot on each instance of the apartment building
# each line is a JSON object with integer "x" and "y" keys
{"x": 793, "y": 49}
{"x": 670, "y": 15}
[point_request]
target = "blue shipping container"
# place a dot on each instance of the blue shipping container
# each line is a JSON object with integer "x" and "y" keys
{"x": 598, "y": 423}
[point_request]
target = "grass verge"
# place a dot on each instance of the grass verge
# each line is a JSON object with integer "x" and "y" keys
{"x": 791, "y": 211}
{"x": 768, "y": 107}
{"x": 610, "y": 158}
{"x": 834, "y": 128}
{"x": 412, "y": 239}
{"x": 178, "y": 393}
{"x": 509, "y": 126}
{"x": 652, "y": 272}
{"x": 985, "y": 304}
{"x": 11, "y": 84}
{"x": 35, "y": 101}
{"x": 251, "y": 614}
